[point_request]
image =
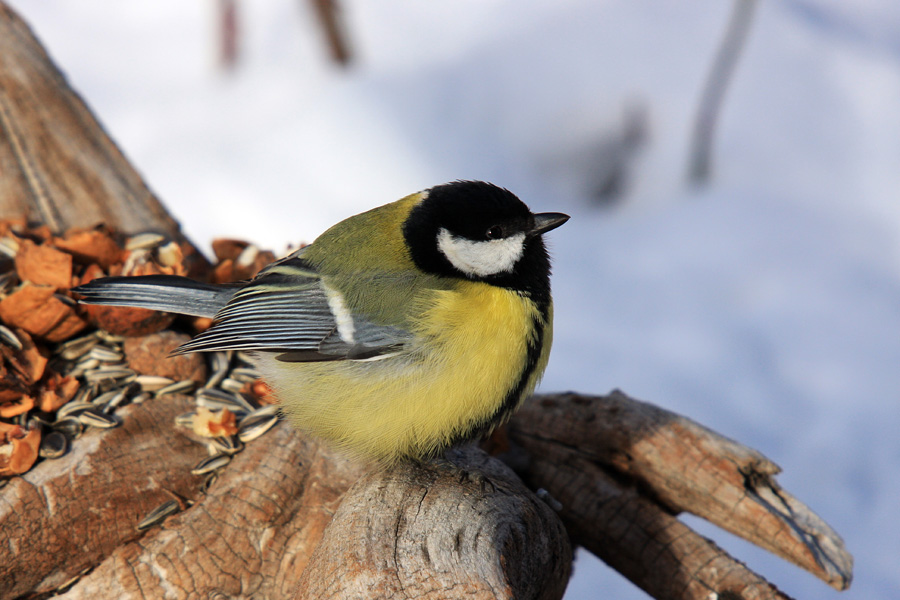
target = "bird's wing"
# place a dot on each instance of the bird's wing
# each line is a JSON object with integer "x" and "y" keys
{"x": 288, "y": 309}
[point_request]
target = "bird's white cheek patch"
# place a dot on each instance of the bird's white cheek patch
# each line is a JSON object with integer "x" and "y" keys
{"x": 481, "y": 258}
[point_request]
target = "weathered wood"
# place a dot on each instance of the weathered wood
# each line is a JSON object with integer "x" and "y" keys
{"x": 679, "y": 465}
{"x": 251, "y": 536}
{"x": 261, "y": 523}
{"x": 467, "y": 529}
{"x": 640, "y": 539}
{"x": 57, "y": 164}
{"x": 65, "y": 515}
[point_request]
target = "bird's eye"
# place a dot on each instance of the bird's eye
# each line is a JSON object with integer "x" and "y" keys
{"x": 494, "y": 233}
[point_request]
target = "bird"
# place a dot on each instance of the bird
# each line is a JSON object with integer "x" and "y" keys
{"x": 399, "y": 333}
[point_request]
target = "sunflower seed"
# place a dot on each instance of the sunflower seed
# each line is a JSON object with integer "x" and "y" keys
{"x": 169, "y": 254}
{"x": 134, "y": 258}
{"x": 83, "y": 366}
{"x": 253, "y": 426}
{"x": 176, "y": 388}
{"x": 159, "y": 514}
{"x": 216, "y": 404}
{"x": 216, "y": 378}
{"x": 185, "y": 420}
{"x": 105, "y": 354}
{"x": 210, "y": 464}
{"x": 70, "y": 426}
{"x": 245, "y": 357}
{"x": 104, "y": 397}
{"x": 54, "y": 445}
{"x": 231, "y": 385}
{"x": 245, "y": 374}
{"x": 75, "y": 371}
{"x": 217, "y": 399}
{"x": 247, "y": 256}
{"x": 84, "y": 393}
{"x": 226, "y": 445}
{"x": 73, "y": 408}
{"x": 77, "y": 347}
{"x": 107, "y": 385}
{"x": 9, "y": 246}
{"x": 117, "y": 399}
{"x": 220, "y": 362}
{"x": 265, "y": 411}
{"x": 10, "y": 338}
{"x": 97, "y": 375}
{"x": 208, "y": 482}
{"x": 98, "y": 420}
{"x": 141, "y": 398}
{"x": 152, "y": 383}
{"x": 110, "y": 338}
{"x": 143, "y": 241}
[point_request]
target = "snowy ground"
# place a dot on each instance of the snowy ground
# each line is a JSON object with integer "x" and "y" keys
{"x": 766, "y": 306}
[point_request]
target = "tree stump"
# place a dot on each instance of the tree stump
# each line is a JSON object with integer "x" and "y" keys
{"x": 290, "y": 518}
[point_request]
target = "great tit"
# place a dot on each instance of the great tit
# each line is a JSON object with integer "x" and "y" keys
{"x": 399, "y": 332}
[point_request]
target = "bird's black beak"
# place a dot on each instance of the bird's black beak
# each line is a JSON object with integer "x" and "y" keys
{"x": 544, "y": 222}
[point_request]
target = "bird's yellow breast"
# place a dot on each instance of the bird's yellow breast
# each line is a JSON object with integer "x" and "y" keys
{"x": 469, "y": 354}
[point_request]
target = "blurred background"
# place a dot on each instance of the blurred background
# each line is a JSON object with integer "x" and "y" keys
{"x": 748, "y": 278}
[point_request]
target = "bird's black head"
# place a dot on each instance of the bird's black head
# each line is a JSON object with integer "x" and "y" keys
{"x": 478, "y": 231}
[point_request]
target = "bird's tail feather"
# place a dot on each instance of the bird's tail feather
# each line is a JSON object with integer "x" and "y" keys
{"x": 168, "y": 293}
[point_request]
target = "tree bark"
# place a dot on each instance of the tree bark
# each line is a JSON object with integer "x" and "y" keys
{"x": 65, "y": 516}
{"x": 251, "y": 535}
{"x": 290, "y": 518}
{"x": 465, "y": 529}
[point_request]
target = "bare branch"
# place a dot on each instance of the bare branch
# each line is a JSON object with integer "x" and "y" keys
{"x": 714, "y": 91}
{"x": 684, "y": 467}
{"x": 328, "y": 13}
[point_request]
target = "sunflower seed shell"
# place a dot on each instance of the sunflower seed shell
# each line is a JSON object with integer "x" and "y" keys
{"x": 98, "y": 420}
{"x": 77, "y": 347}
{"x": 210, "y": 464}
{"x": 254, "y": 426}
{"x": 152, "y": 383}
{"x": 9, "y": 338}
{"x": 53, "y": 445}
{"x": 72, "y": 408}
{"x": 105, "y": 354}
{"x": 109, "y": 373}
{"x": 185, "y": 420}
{"x": 159, "y": 514}
{"x": 144, "y": 241}
{"x": 70, "y": 427}
{"x": 178, "y": 387}
{"x": 226, "y": 445}
{"x": 245, "y": 374}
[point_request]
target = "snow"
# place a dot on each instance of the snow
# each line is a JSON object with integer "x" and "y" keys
{"x": 765, "y": 306}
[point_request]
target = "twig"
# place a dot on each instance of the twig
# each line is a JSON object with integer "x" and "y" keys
{"x": 717, "y": 82}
